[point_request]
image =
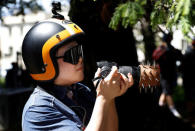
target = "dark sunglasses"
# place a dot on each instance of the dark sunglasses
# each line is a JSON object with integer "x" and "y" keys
{"x": 72, "y": 55}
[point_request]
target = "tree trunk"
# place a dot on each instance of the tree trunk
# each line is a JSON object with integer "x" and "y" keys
{"x": 149, "y": 40}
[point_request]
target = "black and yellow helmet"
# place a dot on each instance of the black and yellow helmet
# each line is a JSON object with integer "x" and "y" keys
{"x": 40, "y": 44}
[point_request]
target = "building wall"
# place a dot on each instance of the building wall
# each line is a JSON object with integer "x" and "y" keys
{"x": 12, "y": 33}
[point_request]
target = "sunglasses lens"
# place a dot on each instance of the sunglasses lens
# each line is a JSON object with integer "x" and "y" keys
{"x": 67, "y": 57}
{"x": 73, "y": 54}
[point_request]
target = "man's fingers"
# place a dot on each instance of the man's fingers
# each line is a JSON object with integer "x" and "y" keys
{"x": 130, "y": 79}
{"x": 124, "y": 84}
{"x": 97, "y": 74}
{"x": 112, "y": 73}
{"x": 123, "y": 78}
{"x": 96, "y": 80}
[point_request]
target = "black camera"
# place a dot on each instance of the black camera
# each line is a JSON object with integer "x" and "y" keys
{"x": 144, "y": 76}
{"x": 106, "y": 67}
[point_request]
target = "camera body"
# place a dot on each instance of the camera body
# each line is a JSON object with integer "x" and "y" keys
{"x": 106, "y": 67}
{"x": 144, "y": 76}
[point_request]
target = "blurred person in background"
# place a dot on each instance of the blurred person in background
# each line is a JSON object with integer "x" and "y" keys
{"x": 12, "y": 78}
{"x": 166, "y": 57}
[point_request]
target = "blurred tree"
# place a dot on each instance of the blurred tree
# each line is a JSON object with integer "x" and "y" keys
{"x": 94, "y": 17}
{"x": 103, "y": 43}
{"x": 18, "y": 7}
{"x": 151, "y": 14}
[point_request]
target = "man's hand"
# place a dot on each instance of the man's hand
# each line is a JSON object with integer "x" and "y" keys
{"x": 115, "y": 84}
{"x": 126, "y": 82}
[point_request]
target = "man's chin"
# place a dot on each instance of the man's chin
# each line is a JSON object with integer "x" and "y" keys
{"x": 81, "y": 78}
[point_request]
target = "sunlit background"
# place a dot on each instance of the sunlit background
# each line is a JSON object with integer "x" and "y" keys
{"x": 14, "y": 27}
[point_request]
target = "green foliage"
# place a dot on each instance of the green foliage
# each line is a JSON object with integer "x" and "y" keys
{"x": 159, "y": 13}
{"x": 128, "y": 14}
{"x": 2, "y": 82}
{"x": 181, "y": 14}
{"x": 178, "y": 13}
